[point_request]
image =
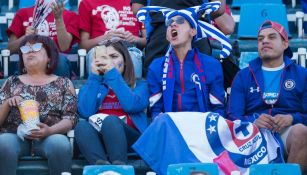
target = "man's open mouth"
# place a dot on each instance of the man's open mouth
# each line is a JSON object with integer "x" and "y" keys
{"x": 174, "y": 33}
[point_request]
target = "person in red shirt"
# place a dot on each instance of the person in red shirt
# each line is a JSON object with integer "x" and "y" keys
{"x": 61, "y": 26}
{"x": 103, "y": 19}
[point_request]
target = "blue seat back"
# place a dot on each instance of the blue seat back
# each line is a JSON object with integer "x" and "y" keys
{"x": 3, "y": 28}
{"x": 253, "y": 15}
{"x": 29, "y": 3}
{"x": 275, "y": 169}
{"x": 26, "y": 3}
{"x": 97, "y": 169}
{"x": 1, "y": 37}
{"x": 238, "y": 3}
{"x": 187, "y": 168}
{"x": 246, "y": 57}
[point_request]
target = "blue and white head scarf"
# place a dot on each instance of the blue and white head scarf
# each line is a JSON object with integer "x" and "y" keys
{"x": 191, "y": 14}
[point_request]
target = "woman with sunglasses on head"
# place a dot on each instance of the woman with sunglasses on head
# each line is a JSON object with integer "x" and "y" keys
{"x": 104, "y": 19}
{"x": 113, "y": 103}
{"x": 61, "y": 25}
{"x": 57, "y": 109}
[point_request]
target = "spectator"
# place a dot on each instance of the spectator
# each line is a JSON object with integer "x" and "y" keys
{"x": 304, "y": 6}
{"x": 184, "y": 83}
{"x": 103, "y": 19}
{"x": 57, "y": 109}
{"x": 185, "y": 80}
{"x": 61, "y": 26}
{"x": 118, "y": 99}
{"x": 272, "y": 92}
{"x": 157, "y": 36}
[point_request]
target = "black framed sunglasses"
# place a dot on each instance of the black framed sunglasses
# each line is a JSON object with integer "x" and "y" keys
{"x": 178, "y": 20}
{"x": 32, "y": 47}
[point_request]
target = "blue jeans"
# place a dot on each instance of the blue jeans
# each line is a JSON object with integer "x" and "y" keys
{"x": 56, "y": 148}
{"x": 114, "y": 139}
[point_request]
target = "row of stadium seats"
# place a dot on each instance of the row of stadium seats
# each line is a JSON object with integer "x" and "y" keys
{"x": 261, "y": 12}
{"x": 9, "y": 63}
{"x": 238, "y": 3}
{"x": 198, "y": 169}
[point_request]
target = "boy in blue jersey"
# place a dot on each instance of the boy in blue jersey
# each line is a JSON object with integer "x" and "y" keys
{"x": 272, "y": 92}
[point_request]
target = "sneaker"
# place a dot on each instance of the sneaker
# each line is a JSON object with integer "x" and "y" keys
{"x": 102, "y": 162}
{"x": 118, "y": 162}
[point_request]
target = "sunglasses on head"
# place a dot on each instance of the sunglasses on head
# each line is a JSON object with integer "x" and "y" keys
{"x": 178, "y": 20}
{"x": 31, "y": 47}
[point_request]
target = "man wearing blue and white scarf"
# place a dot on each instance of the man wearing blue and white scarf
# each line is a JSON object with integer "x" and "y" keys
{"x": 185, "y": 84}
{"x": 185, "y": 79}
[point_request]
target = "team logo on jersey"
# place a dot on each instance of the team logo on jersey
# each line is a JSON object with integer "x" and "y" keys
{"x": 195, "y": 79}
{"x": 252, "y": 90}
{"x": 289, "y": 84}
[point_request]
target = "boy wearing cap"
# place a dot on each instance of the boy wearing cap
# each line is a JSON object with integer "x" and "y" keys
{"x": 272, "y": 92}
{"x": 185, "y": 79}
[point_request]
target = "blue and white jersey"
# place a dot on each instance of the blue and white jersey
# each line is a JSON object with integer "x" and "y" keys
{"x": 272, "y": 78}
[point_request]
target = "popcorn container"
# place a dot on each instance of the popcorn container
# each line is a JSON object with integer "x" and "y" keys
{"x": 29, "y": 113}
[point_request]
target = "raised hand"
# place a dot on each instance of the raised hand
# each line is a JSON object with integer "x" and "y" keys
{"x": 14, "y": 101}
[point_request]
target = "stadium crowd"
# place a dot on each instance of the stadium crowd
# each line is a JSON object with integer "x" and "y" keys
{"x": 119, "y": 110}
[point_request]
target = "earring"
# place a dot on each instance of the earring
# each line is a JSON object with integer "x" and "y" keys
{"x": 24, "y": 70}
{"x": 48, "y": 65}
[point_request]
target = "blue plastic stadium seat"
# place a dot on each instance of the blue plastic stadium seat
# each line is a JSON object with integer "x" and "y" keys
{"x": 253, "y": 15}
{"x": 4, "y": 37}
{"x": 187, "y": 168}
{"x": 238, "y": 3}
{"x": 26, "y": 3}
{"x": 97, "y": 169}
{"x": 275, "y": 169}
{"x": 246, "y": 57}
{"x": 1, "y": 37}
{"x": 29, "y": 3}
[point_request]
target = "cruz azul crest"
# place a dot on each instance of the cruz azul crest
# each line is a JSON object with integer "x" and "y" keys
{"x": 243, "y": 141}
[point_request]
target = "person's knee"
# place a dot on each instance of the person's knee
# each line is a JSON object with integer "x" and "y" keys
{"x": 82, "y": 127}
{"x": 297, "y": 135}
{"x": 9, "y": 145}
{"x": 57, "y": 145}
{"x": 111, "y": 120}
{"x": 111, "y": 125}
